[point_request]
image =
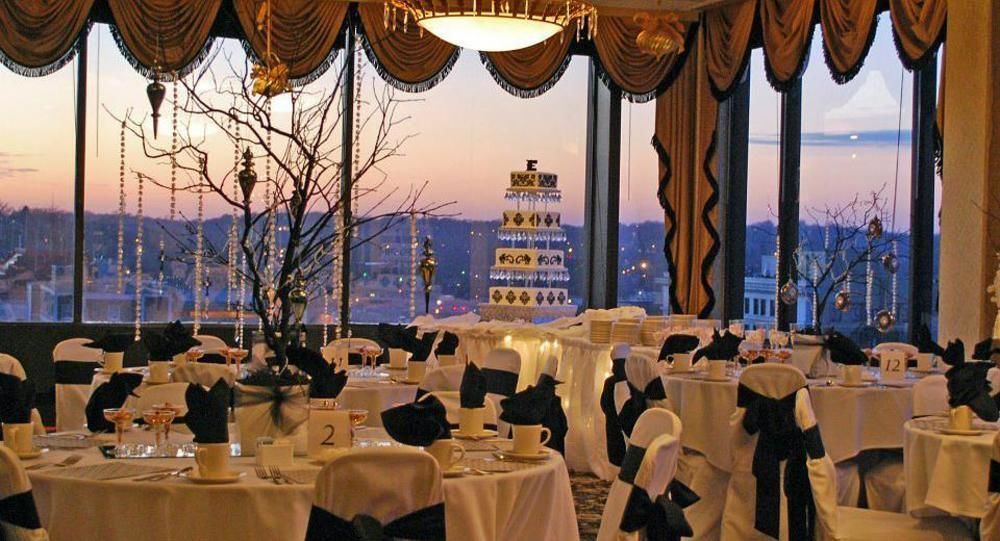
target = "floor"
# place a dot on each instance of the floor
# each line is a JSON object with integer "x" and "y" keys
{"x": 589, "y": 494}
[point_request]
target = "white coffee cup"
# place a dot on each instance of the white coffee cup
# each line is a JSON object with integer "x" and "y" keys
{"x": 680, "y": 361}
{"x": 415, "y": 371}
{"x": 470, "y": 420}
{"x": 925, "y": 361}
{"x": 212, "y": 459}
{"x": 446, "y": 452}
{"x": 717, "y": 369}
{"x": 159, "y": 371}
{"x": 113, "y": 361}
{"x": 447, "y": 360}
{"x": 397, "y": 357}
{"x": 180, "y": 359}
{"x": 17, "y": 437}
{"x": 959, "y": 418}
{"x": 852, "y": 374}
{"x": 528, "y": 439}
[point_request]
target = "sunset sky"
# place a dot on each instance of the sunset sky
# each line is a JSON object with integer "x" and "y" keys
{"x": 469, "y": 133}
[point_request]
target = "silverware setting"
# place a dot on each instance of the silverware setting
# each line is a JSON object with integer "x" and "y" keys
{"x": 68, "y": 461}
{"x": 275, "y": 475}
{"x": 164, "y": 475}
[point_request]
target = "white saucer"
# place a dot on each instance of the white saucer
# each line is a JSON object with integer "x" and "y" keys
{"x": 725, "y": 379}
{"x": 486, "y": 433}
{"x": 853, "y": 385}
{"x": 454, "y": 471}
{"x": 34, "y": 453}
{"x": 542, "y": 454}
{"x": 406, "y": 381}
{"x": 956, "y": 432}
{"x": 230, "y": 477}
{"x": 151, "y": 382}
{"x": 393, "y": 368}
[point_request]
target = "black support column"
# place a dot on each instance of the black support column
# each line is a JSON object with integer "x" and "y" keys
{"x": 347, "y": 175}
{"x": 788, "y": 195}
{"x": 604, "y": 112}
{"x": 922, "y": 190}
{"x": 79, "y": 183}
{"x": 734, "y": 138}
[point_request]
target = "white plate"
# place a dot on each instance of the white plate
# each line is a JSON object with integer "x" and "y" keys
{"x": 542, "y": 454}
{"x": 34, "y": 453}
{"x": 956, "y": 432}
{"x": 716, "y": 380}
{"x": 480, "y": 436}
{"x": 231, "y": 477}
{"x": 405, "y": 381}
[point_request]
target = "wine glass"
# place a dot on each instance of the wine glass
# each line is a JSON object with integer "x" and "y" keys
{"x": 122, "y": 419}
{"x": 175, "y": 409}
{"x": 158, "y": 420}
{"x": 237, "y": 355}
{"x": 194, "y": 354}
{"x": 736, "y": 328}
{"x": 793, "y": 331}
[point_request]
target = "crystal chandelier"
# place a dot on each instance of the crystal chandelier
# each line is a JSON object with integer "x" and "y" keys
{"x": 493, "y": 25}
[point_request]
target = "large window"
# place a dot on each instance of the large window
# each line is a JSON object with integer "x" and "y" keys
{"x": 855, "y": 167}
{"x": 465, "y": 136}
{"x": 643, "y": 279}
{"x": 36, "y": 196}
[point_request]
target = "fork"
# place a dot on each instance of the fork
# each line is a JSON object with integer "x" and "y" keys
{"x": 276, "y": 474}
{"x": 68, "y": 461}
{"x": 262, "y": 473}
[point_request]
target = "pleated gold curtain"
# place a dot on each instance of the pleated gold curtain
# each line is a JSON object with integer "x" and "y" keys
{"x": 639, "y": 75}
{"x": 37, "y": 38}
{"x": 848, "y": 33}
{"x": 688, "y": 190}
{"x": 170, "y": 34}
{"x": 918, "y": 28}
{"x": 303, "y": 34}
{"x": 530, "y": 72}
{"x": 786, "y": 29}
{"x": 406, "y": 57}
{"x": 727, "y": 45}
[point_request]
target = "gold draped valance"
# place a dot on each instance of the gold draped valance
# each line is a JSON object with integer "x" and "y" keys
{"x": 531, "y": 72}
{"x": 786, "y": 30}
{"x": 848, "y": 33}
{"x": 302, "y": 34}
{"x": 918, "y": 28}
{"x": 727, "y": 45}
{"x": 640, "y": 76}
{"x": 37, "y": 38}
{"x": 170, "y": 34}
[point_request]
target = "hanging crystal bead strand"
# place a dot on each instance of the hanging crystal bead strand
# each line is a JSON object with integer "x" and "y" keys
{"x": 199, "y": 277}
{"x": 138, "y": 261}
{"x": 120, "y": 269}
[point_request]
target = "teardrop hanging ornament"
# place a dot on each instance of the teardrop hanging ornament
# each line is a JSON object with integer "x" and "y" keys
{"x": 789, "y": 293}
{"x": 842, "y": 301}
{"x": 155, "y": 91}
{"x": 298, "y": 297}
{"x": 874, "y": 229}
{"x": 247, "y": 176}
{"x": 884, "y": 320}
{"x": 891, "y": 263}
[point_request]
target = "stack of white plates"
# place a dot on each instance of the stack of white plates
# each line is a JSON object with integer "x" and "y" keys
{"x": 600, "y": 331}
{"x": 649, "y": 328}
{"x": 626, "y": 331}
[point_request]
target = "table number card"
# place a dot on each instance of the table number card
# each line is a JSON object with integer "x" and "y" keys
{"x": 892, "y": 365}
{"x": 328, "y": 429}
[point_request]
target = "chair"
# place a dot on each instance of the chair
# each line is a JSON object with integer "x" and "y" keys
{"x": 448, "y": 378}
{"x": 11, "y": 366}
{"x": 550, "y": 367}
{"x": 152, "y": 395}
{"x": 502, "y": 370}
{"x": 382, "y": 485}
{"x": 908, "y": 349}
{"x": 204, "y": 374}
{"x": 656, "y": 448}
{"x": 18, "y": 515}
{"x": 989, "y": 527}
{"x": 930, "y": 396}
{"x": 74, "y": 373}
{"x": 452, "y": 403}
{"x": 211, "y": 344}
{"x": 351, "y": 346}
{"x": 644, "y": 390}
{"x": 613, "y": 395}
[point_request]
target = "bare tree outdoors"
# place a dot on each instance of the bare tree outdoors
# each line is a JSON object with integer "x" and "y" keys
{"x": 304, "y": 153}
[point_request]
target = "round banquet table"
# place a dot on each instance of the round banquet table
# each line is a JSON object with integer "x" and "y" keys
{"x": 945, "y": 473}
{"x": 533, "y": 502}
{"x": 851, "y": 419}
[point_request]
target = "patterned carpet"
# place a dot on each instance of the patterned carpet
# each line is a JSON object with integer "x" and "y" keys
{"x": 589, "y": 494}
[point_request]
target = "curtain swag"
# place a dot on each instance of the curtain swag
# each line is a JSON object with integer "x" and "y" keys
{"x": 727, "y": 45}
{"x": 170, "y": 35}
{"x": 848, "y": 33}
{"x": 38, "y": 38}
{"x": 531, "y": 72}
{"x": 787, "y": 30}
{"x": 918, "y": 27}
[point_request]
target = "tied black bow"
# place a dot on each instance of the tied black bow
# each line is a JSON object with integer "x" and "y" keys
{"x": 994, "y": 482}
{"x": 638, "y": 402}
{"x": 663, "y": 518}
{"x": 19, "y": 510}
{"x": 780, "y": 439}
{"x": 423, "y": 524}
{"x": 612, "y": 427}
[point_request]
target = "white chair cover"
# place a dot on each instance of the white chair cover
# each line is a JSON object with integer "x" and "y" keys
{"x": 447, "y": 378}
{"x": 930, "y": 396}
{"x": 152, "y": 395}
{"x": 551, "y": 367}
{"x": 20, "y": 522}
{"x": 908, "y": 349}
{"x": 74, "y": 375}
{"x": 989, "y": 527}
{"x": 642, "y": 371}
{"x": 255, "y": 416}
{"x": 452, "y": 401}
{"x": 384, "y": 484}
{"x": 502, "y": 369}
{"x": 11, "y": 366}
{"x": 621, "y": 350}
{"x": 657, "y": 432}
{"x": 211, "y": 344}
{"x": 205, "y": 374}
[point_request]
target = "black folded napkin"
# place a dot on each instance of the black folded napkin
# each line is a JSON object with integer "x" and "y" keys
{"x": 419, "y": 423}
{"x": 447, "y": 345}
{"x": 17, "y": 397}
{"x": 326, "y": 381}
{"x": 420, "y": 349}
{"x": 984, "y": 350}
{"x": 678, "y": 343}
{"x": 554, "y": 417}
{"x": 924, "y": 342}
{"x": 472, "y": 390}
{"x": 954, "y": 354}
{"x": 395, "y": 336}
{"x": 527, "y": 407}
{"x": 112, "y": 343}
{"x": 722, "y": 348}
{"x": 969, "y": 386}
{"x": 208, "y": 412}
{"x": 112, "y": 394}
{"x": 843, "y": 350}
{"x": 173, "y": 340}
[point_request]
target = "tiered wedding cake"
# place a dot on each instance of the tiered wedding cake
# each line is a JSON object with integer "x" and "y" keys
{"x": 528, "y": 267}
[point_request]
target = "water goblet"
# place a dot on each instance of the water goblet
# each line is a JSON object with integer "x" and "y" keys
{"x": 122, "y": 418}
{"x": 158, "y": 420}
{"x": 237, "y": 355}
{"x": 176, "y": 412}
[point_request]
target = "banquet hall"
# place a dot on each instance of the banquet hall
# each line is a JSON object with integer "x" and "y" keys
{"x": 495, "y": 270}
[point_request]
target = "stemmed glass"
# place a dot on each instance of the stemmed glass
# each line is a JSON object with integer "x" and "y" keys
{"x": 194, "y": 354}
{"x": 122, "y": 419}
{"x": 176, "y": 412}
{"x": 159, "y": 420}
{"x": 736, "y": 328}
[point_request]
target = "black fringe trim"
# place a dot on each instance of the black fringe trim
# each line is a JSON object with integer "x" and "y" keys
{"x": 706, "y": 220}
{"x": 668, "y": 78}
{"x": 404, "y": 86}
{"x": 51, "y": 67}
{"x": 912, "y": 64}
{"x": 668, "y": 238}
{"x": 938, "y": 151}
{"x": 785, "y": 86}
{"x": 723, "y": 94}
{"x": 147, "y": 71}
{"x": 845, "y": 77}
{"x": 519, "y": 92}
{"x": 316, "y": 73}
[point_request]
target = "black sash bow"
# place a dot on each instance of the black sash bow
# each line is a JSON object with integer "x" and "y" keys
{"x": 663, "y": 518}
{"x": 424, "y": 524}
{"x": 612, "y": 428}
{"x": 19, "y": 510}
{"x": 994, "y": 483}
{"x": 500, "y": 382}
{"x": 638, "y": 402}
{"x": 75, "y": 372}
{"x": 780, "y": 439}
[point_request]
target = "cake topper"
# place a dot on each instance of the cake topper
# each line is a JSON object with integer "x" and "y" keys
{"x": 531, "y": 165}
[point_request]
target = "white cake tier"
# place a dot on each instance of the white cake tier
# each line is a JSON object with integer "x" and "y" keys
{"x": 555, "y": 235}
{"x": 529, "y": 296}
{"x": 500, "y": 273}
{"x": 507, "y": 312}
{"x": 530, "y": 220}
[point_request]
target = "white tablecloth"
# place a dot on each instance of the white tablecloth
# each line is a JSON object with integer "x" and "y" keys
{"x": 534, "y": 503}
{"x": 945, "y": 474}
{"x": 851, "y": 420}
